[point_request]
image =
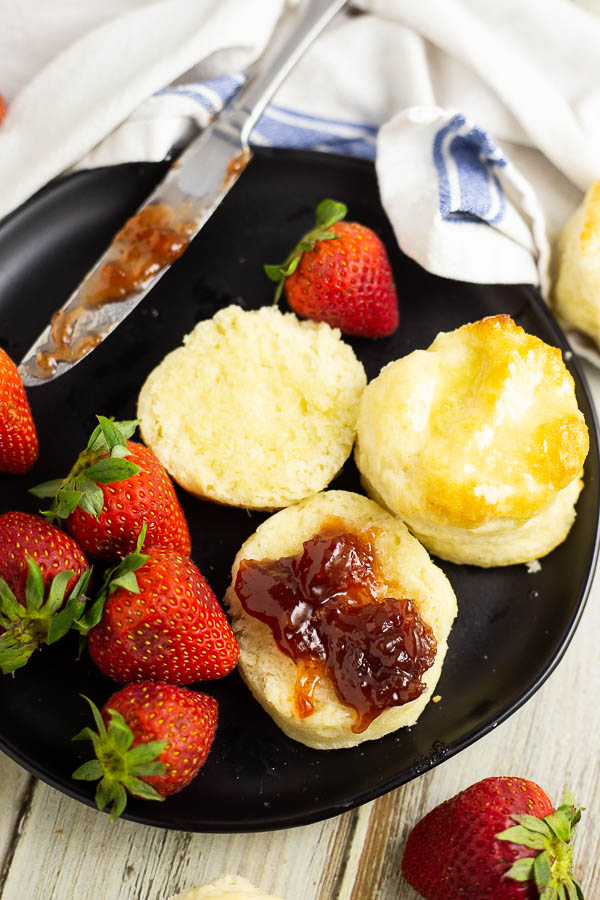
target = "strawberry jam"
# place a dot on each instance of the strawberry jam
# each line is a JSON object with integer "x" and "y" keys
{"x": 149, "y": 241}
{"x": 328, "y": 611}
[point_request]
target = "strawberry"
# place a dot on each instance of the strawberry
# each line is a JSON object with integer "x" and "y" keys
{"x": 115, "y": 487}
{"x": 340, "y": 273}
{"x": 151, "y": 741}
{"x": 161, "y": 622}
{"x": 43, "y": 576}
{"x": 499, "y": 839}
{"x": 18, "y": 437}
{"x": 2, "y": 109}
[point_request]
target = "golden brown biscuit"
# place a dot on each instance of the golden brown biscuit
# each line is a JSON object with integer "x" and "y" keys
{"x": 401, "y": 563}
{"x": 476, "y": 443}
{"x": 576, "y": 267}
{"x": 256, "y": 409}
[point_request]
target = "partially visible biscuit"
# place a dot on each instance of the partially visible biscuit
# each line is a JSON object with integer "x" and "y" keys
{"x": 227, "y": 887}
{"x": 576, "y": 267}
{"x": 408, "y": 572}
{"x": 476, "y": 443}
{"x": 256, "y": 409}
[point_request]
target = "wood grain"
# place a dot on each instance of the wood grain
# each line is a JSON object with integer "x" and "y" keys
{"x": 53, "y": 848}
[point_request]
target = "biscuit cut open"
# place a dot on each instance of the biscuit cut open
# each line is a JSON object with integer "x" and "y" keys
{"x": 256, "y": 409}
{"x": 405, "y": 570}
{"x": 477, "y": 444}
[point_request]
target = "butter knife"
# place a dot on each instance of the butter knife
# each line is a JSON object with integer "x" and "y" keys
{"x": 175, "y": 211}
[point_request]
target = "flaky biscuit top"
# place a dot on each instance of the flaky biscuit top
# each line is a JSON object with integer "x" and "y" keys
{"x": 482, "y": 425}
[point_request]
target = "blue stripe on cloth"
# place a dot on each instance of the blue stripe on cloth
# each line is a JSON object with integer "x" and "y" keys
{"x": 212, "y": 94}
{"x": 466, "y": 159}
{"x": 283, "y": 127}
{"x": 334, "y": 123}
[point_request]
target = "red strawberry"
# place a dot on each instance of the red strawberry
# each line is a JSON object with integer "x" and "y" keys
{"x": 161, "y": 622}
{"x": 18, "y": 437}
{"x": 2, "y": 109}
{"x": 340, "y": 273}
{"x": 115, "y": 487}
{"x": 151, "y": 741}
{"x": 499, "y": 839}
{"x": 40, "y": 567}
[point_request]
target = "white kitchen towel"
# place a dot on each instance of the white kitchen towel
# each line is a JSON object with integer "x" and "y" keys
{"x": 490, "y": 108}
{"x": 457, "y": 204}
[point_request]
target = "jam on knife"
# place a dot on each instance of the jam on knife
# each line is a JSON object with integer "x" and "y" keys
{"x": 150, "y": 241}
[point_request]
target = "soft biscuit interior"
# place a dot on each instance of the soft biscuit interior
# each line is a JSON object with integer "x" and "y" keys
{"x": 479, "y": 433}
{"x": 408, "y": 572}
{"x": 257, "y": 409}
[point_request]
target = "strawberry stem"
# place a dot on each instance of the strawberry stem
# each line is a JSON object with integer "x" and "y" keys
{"x": 102, "y": 462}
{"x": 119, "y": 766}
{"x": 551, "y": 869}
{"x": 328, "y": 212}
{"x": 38, "y": 622}
{"x": 121, "y": 575}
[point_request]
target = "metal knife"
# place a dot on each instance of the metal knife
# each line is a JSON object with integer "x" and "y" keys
{"x": 175, "y": 211}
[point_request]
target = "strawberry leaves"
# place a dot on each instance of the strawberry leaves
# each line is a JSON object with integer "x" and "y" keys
{"x": 118, "y": 764}
{"x": 38, "y": 621}
{"x": 109, "y": 435}
{"x": 552, "y": 836}
{"x": 102, "y": 462}
{"x": 121, "y": 575}
{"x": 327, "y": 214}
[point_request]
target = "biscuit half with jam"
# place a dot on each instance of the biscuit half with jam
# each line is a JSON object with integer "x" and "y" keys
{"x": 342, "y": 620}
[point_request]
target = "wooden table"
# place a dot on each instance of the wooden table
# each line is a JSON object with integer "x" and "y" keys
{"x": 54, "y": 848}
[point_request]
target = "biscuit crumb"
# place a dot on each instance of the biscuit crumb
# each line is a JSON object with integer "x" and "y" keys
{"x": 436, "y": 699}
{"x": 533, "y": 566}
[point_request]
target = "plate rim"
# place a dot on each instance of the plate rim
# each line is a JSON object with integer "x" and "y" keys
{"x": 282, "y": 821}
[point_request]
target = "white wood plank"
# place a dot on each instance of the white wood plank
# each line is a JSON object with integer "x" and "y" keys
{"x": 15, "y": 787}
{"x": 71, "y": 850}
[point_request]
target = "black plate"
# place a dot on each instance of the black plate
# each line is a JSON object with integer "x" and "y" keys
{"x": 512, "y": 627}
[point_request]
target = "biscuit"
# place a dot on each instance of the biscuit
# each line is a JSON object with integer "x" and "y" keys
{"x": 576, "y": 267}
{"x": 227, "y": 887}
{"x": 476, "y": 443}
{"x": 256, "y": 409}
{"x": 407, "y": 571}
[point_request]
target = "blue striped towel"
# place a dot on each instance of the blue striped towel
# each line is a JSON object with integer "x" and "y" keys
{"x": 280, "y": 126}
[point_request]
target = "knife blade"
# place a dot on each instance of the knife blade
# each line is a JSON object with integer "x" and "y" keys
{"x": 160, "y": 231}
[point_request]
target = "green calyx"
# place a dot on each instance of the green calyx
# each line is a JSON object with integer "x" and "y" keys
{"x": 551, "y": 869}
{"x": 327, "y": 214}
{"x": 120, "y": 576}
{"x": 38, "y": 622}
{"x": 119, "y": 766}
{"x": 81, "y": 487}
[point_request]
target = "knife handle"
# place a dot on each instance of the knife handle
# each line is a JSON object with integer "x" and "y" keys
{"x": 292, "y": 37}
